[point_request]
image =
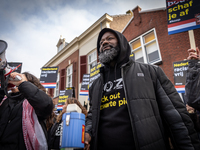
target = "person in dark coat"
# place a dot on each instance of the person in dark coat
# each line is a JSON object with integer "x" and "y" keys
{"x": 23, "y": 113}
{"x": 192, "y": 86}
{"x": 134, "y": 106}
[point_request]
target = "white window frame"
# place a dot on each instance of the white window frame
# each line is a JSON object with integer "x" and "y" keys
{"x": 143, "y": 45}
{"x": 69, "y": 74}
{"x": 93, "y": 55}
{"x": 56, "y": 91}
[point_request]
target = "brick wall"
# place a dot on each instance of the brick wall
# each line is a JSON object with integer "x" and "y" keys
{"x": 172, "y": 47}
{"x": 75, "y": 61}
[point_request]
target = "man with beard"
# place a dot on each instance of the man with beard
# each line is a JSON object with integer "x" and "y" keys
{"x": 134, "y": 106}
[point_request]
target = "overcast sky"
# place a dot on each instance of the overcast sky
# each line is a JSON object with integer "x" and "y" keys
{"x": 32, "y": 28}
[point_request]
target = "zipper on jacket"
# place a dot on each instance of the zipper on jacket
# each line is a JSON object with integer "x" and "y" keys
{"x": 132, "y": 125}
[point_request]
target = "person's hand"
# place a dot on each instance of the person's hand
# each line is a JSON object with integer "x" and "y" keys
{"x": 193, "y": 54}
{"x": 17, "y": 83}
{"x": 189, "y": 109}
{"x": 87, "y": 141}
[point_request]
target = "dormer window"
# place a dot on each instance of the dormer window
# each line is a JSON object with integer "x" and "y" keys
{"x": 60, "y": 47}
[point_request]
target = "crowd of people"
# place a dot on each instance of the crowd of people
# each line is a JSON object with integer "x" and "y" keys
{"x": 133, "y": 106}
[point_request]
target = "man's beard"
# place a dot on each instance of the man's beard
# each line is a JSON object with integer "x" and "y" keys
{"x": 109, "y": 55}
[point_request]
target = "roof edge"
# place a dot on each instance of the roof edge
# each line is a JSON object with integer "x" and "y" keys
{"x": 150, "y": 10}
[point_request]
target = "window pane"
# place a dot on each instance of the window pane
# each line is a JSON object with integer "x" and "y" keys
{"x": 149, "y": 37}
{"x": 68, "y": 71}
{"x": 69, "y": 76}
{"x": 136, "y": 44}
{"x": 94, "y": 63}
{"x": 152, "y": 52}
{"x": 90, "y": 59}
{"x": 139, "y": 55}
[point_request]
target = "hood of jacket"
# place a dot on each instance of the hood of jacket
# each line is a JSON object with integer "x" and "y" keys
{"x": 125, "y": 49}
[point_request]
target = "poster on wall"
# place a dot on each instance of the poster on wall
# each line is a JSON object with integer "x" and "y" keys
{"x": 180, "y": 70}
{"x": 63, "y": 96}
{"x": 182, "y": 15}
{"x": 48, "y": 77}
{"x": 85, "y": 85}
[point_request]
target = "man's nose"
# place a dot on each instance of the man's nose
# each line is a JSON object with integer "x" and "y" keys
{"x": 105, "y": 42}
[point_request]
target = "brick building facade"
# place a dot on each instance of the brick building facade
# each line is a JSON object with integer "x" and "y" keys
{"x": 172, "y": 47}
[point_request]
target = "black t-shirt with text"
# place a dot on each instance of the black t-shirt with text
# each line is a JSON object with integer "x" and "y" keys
{"x": 114, "y": 131}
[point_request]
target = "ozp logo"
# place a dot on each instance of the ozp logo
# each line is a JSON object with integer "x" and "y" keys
{"x": 118, "y": 84}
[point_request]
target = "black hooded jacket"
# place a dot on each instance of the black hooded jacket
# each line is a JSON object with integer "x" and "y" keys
{"x": 11, "y": 131}
{"x": 155, "y": 109}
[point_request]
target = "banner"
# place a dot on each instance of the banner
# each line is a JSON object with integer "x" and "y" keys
{"x": 85, "y": 85}
{"x": 15, "y": 66}
{"x": 182, "y": 15}
{"x": 63, "y": 96}
{"x": 48, "y": 77}
{"x": 180, "y": 70}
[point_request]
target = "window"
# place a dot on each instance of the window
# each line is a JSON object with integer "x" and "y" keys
{"x": 92, "y": 60}
{"x": 69, "y": 76}
{"x": 146, "y": 49}
{"x": 56, "y": 91}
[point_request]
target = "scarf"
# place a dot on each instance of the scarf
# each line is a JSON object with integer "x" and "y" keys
{"x": 34, "y": 137}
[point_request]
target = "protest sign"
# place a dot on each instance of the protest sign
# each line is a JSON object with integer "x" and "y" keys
{"x": 132, "y": 56}
{"x": 63, "y": 96}
{"x": 94, "y": 73}
{"x": 180, "y": 70}
{"x": 15, "y": 66}
{"x": 182, "y": 15}
{"x": 85, "y": 85}
{"x": 48, "y": 77}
